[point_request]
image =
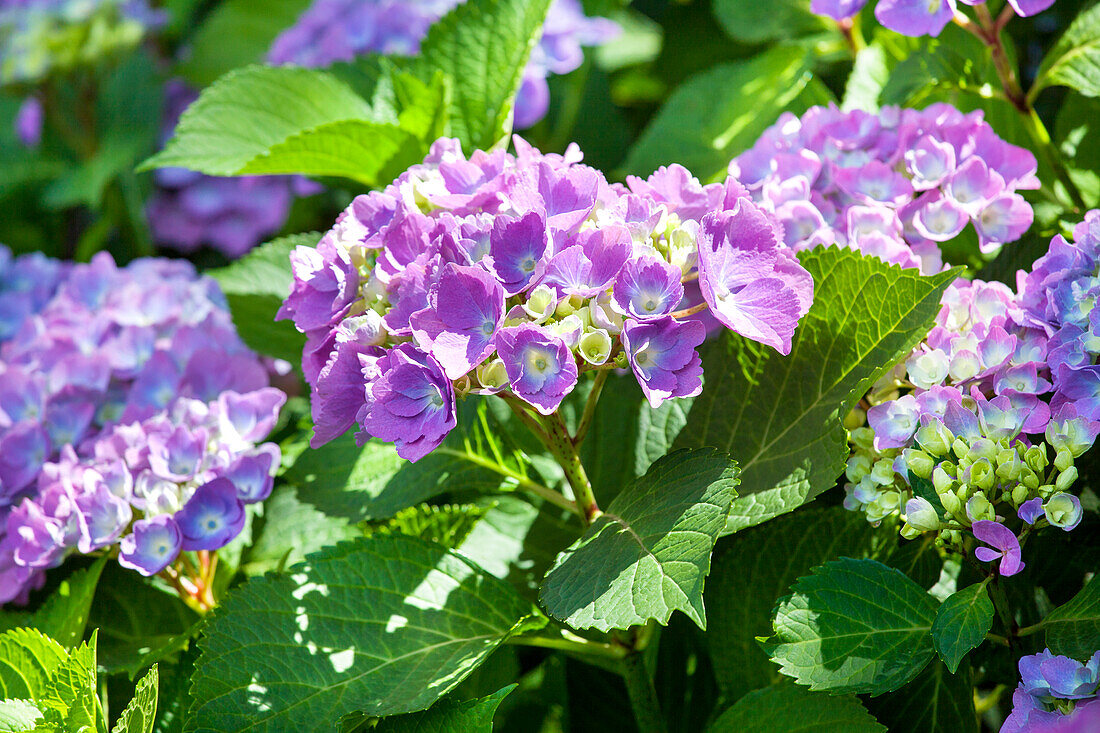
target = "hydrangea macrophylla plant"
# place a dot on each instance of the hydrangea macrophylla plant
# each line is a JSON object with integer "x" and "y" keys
{"x": 93, "y": 358}
{"x": 894, "y": 184}
{"x": 339, "y": 30}
{"x": 515, "y": 275}
{"x": 916, "y": 17}
{"x": 1056, "y": 693}
{"x": 993, "y": 414}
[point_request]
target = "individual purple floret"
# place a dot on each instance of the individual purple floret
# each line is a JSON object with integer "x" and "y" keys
{"x": 151, "y": 546}
{"x": 465, "y": 309}
{"x": 1046, "y": 679}
{"x": 540, "y": 367}
{"x": 893, "y": 184}
{"x": 339, "y": 30}
{"x": 916, "y": 17}
{"x": 1003, "y": 546}
{"x": 212, "y": 517}
{"x": 647, "y": 289}
{"x": 663, "y": 357}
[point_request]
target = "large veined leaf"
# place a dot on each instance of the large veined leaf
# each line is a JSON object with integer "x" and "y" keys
{"x": 935, "y": 702}
{"x": 382, "y": 625}
{"x": 70, "y": 700}
{"x": 787, "y": 707}
{"x": 1073, "y": 628}
{"x": 759, "y": 22}
{"x": 1075, "y": 60}
{"x": 768, "y": 559}
{"x": 17, "y": 716}
{"x": 719, "y": 113}
{"x": 483, "y": 45}
{"x": 27, "y": 660}
{"x": 140, "y": 714}
{"x": 781, "y": 416}
{"x": 447, "y": 716}
{"x": 648, "y": 554}
{"x": 853, "y": 626}
{"x": 962, "y": 623}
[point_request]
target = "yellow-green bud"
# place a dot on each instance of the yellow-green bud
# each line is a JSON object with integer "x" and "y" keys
{"x": 982, "y": 448}
{"x": 951, "y": 503}
{"x": 919, "y": 462}
{"x": 981, "y": 474}
{"x": 960, "y": 448}
{"x": 857, "y": 418}
{"x": 941, "y": 480}
{"x": 492, "y": 373}
{"x": 1066, "y": 479}
{"x": 1009, "y": 465}
{"x": 1036, "y": 458}
{"x": 595, "y": 347}
{"x": 934, "y": 438}
{"x": 859, "y": 465}
{"x": 863, "y": 438}
{"x": 1063, "y": 460}
{"x": 1045, "y": 491}
{"x": 978, "y": 507}
{"x": 1029, "y": 478}
{"x": 1020, "y": 494}
{"x": 883, "y": 472}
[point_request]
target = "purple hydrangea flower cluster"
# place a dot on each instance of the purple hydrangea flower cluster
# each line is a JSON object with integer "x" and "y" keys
{"x": 894, "y": 184}
{"x": 1056, "y": 694}
{"x": 1003, "y": 380}
{"x": 178, "y": 480}
{"x": 515, "y": 274}
{"x": 83, "y": 346}
{"x": 339, "y": 30}
{"x": 188, "y": 209}
{"x": 40, "y": 37}
{"x": 916, "y": 17}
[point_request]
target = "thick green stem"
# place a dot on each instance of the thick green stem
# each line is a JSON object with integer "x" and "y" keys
{"x": 563, "y": 448}
{"x": 1029, "y": 630}
{"x": 573, "y": 644}
{"x": 590, "y": 407}
{"x": 643, "y": 696}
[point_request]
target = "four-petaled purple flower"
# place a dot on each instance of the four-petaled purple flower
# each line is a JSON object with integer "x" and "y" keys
{"x": 152, "y": 545}
{"x": 663, "y": 357}
{"x": 465, "y": 309}
{"x": 541, "y": 369}
{"x": 212, "y": 517}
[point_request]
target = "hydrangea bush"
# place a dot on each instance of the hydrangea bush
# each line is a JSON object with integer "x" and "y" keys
{"x": 775, "y": 409}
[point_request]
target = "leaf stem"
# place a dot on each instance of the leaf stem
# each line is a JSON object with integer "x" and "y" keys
{"x": 996, "y": 639}
{"x": 522, "y": 482}
{"x": 1029, "y": 630}
{"x": 643, "y": 695}
{"x": 569, "y": 642}
{"x": 590, "y": 406}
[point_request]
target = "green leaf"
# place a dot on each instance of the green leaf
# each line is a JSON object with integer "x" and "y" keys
{"x": 853, "y": 626}
{"x": 384, "y": 625}
{"x": 483, "y": 45}
{"x": 962, "y": 623}
{"x": 768, "y": 559}
{"x": 648, "y": 554}
{"x": 447, "y": 525}
{"x": 17, "y": 716}
{"x": 761, "y": 22}
{"x": 252, "y": 26}
{"x": 448, "y": 716}
{"x": 27, "y": 660}
{"x": 781, "y": 416}
{"x": 935, "y": 702}
{"x": 1075, "y": 60}
{"x": 70, "y": 700}
{"x": 719, "y": 113}
{"x": 255, "y": 287}
{"x": 1073, "y": 629}
{"x": 65, "y": 613}
{"x": 925, "y": 489}
{"x": 289, "y": 530}
{"x": 249, "y": 111}
{"x": 787, "y": 707}
{"x": 140, "y": 714}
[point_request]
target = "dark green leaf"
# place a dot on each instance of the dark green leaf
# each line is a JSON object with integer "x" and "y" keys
{"x": 27, "y": 660}
{"x": 1075, "y": 60}
{"x": 140, "y": 714}
{"x": 935, "y": 702}
{"x": 781, "y": 416}
{"x": 1073, "y": 629}
{"x": 767, "y": 560}
{"x": 962, "y": 623}
{"x": 384, "y": 625}
{"x": 649, "y": 553}
{"x": 853, "y": 626}
{"x": 787, "y": 707}
{"x": 759, "y": 22}
{"x": 448, "y": 716}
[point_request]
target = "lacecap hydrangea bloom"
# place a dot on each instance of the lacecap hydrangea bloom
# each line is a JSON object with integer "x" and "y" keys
{"x": 92, "y": 356}
{"x": 231, "y": 214}
{"x": 981, "y": 425}
{"x": 1056, "y": 695}
{"x": 894, "y": 184}
{"x": 339, "y": 30}
{"x": 916, "y": 17}
{"x": 517, "y": 274}
{"x": 41, "y": 37}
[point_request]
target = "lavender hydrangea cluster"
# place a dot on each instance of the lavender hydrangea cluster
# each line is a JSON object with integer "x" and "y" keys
{"x": 980, "y": 427}
{"x": 339, "y": 30}
{"x": 40, "y": 37}
{"x": 188, "y": 209}
{"x": 1056, "y": 695}
{"x": 516, "y": 274}
{"x": 916, "y": 17}
{"x": 894, "y": 184}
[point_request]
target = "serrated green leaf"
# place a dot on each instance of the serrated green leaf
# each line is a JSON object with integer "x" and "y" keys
{"x": 289, "y": 530}
{"x": 384, "y": 625}
{"x": 649, "y": 553}
{"x": 935, "y": 702}
{"x": 70, "y": 700}
{"x": 252, "y": 26}
{"x": 853, "y": 626}
{"x": 719, "y": 113}
{"x": 27, "y": 660}
{"x": 962, "y": 623}
{"x": 65, "y": 613}
{"x": 787, "y": 707}
{"x": 255, "y": 287}
{"x": 249, "y": 111}
{"x": 448, "y": 716}
{"x": 1073, "y": 629}
{"x": 761, "y": 22}
{"x": 448, "y": 525}
{"x": 768, "y": 559}
{"x": 483, "y": 45}
{"x": 17, "y": 716}
{"x": 141, "y": 713}
{"x": 1075, "y": 60}
{"x": 781, "y": 416}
